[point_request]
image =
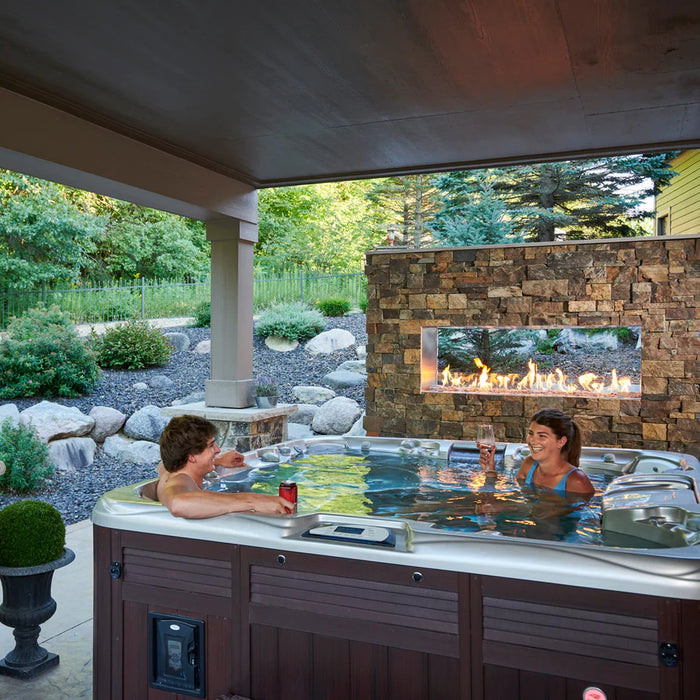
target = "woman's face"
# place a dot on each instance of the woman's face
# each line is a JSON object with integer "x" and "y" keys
{"x": 543, "y": 442}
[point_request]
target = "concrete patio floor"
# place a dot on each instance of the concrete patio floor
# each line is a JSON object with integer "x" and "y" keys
{"x": 68, "y": 633}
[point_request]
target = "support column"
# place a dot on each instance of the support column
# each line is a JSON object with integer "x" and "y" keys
{"x": 231, "y": 383}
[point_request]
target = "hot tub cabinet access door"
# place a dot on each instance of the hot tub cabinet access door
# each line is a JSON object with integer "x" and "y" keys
{"x": 341, "y": 629}
{"x": 536, "y": 640}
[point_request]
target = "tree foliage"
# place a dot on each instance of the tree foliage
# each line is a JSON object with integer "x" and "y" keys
{"x": 326, "y": 226}
{"x": 472, "y": 212}
{"x": 595, "y": 198}
{"x": 51, "y": 232}
{"x": 409, "y": 203}
{"x": 43, "y": 235}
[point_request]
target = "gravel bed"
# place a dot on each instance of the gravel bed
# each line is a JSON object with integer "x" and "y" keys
{"x": 74, "y": 493}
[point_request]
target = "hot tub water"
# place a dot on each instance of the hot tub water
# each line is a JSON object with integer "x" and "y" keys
{"x": 453, "y": 495}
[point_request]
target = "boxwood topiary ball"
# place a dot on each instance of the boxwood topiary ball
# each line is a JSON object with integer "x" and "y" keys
{"x": 31, "y": 533}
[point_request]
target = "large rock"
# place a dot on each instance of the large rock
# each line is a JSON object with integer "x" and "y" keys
{"x": 72, "y": 453}
{"x": 53, "y": 421}
{"x": 336, "y": 416}
{"x": 357, "y": 430}
{"x": 312, "y": 394}
{"x": 341, "y": 379}
{"x": 196, "y": 397}
{"x": 146, "y": 424}
{"x": 299, "y": 431}
{"x": 9, "y": 411}
{"x": 178, "y": 341}
{"x": 108, "y": 421}
{"x": 203, "y": 347}
{"x": 137, "y": 451}
{"x": 569, "y": 340}
{"x": 361, "y": 351}
{"x": 358, "y": 366}
{"x": 275, "y": 342}
{"x": 330, "y": 341}
{"x": 304, "y": 414}
{"x": 160, "y": 381}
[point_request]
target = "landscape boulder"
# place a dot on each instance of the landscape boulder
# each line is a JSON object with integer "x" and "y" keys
{"x": 53, "y": 421}
{"x": 160, "y": 381}
{"x": 357, "y": 430}
{"x": 304, "y": 414}
{"x": 196, "y": 397}
{"x": 72, "y": 453}
{"x": 358, "y": 366}
{"x": 140, "y": 386}
{"x": 178, "y": 341}
{"x": 330, "y": 341}
{"x": 203, "y": 347}
{"x": 9, "y": 411}
{"x": 108, "y": 421}
{"x": 146, "y": 424}
{"x": 568, "y": 340}
{"x": 137, "y": 451}
{"x": 336, "y": 416}
{"x": 275, "y": 342}
{"x": 340, "y": 379}
{"x": 312, "y": 394}
{"x": 361, "y": 352}
{"x": 299, "y": 431}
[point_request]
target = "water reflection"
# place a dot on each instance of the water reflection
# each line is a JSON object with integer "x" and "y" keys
{"x": 457, "y": 497}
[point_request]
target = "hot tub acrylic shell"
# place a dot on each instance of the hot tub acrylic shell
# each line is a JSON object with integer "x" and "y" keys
{"x": 441, "y": 615}
{"x": 670, "y": 571}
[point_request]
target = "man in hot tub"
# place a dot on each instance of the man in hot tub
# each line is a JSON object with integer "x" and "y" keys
{"x": 188, "y": 450}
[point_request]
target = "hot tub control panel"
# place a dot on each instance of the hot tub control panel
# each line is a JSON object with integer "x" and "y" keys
{"x": 358, "y": 534}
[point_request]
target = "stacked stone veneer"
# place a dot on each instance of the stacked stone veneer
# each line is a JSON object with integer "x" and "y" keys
{"x": 649, "y": 282}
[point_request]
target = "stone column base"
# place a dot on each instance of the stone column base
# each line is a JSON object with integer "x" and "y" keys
{"x": 241, "y": 429}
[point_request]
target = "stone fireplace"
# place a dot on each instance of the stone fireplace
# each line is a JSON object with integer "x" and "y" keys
{"x": 650, "y": 284}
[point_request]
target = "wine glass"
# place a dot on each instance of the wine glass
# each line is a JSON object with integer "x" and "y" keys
{"x": 485, "y": 437}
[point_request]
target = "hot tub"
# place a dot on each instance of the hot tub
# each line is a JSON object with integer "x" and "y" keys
{"x": 346, "y": 605}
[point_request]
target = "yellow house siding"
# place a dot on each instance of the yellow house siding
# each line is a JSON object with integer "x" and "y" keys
{"x": 680, "y": 201}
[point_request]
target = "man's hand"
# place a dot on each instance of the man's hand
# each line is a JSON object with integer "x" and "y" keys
{"x": 229, "y": 459}
{"x": 268, "y": 504}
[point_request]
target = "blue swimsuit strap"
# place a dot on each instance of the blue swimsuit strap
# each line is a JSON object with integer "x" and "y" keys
{"x": 559, "y": 488}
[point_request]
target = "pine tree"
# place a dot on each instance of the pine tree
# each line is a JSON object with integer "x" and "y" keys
{"x": 408, "y": 202}
{"x": 594, "y": 198}
{"x": 473, "y": 214}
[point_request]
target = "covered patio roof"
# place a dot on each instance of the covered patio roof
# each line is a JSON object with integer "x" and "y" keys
{"x": 272, "y": 93}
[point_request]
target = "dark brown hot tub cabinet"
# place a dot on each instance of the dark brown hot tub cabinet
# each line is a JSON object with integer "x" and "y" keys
{"x": 293, "y": 625}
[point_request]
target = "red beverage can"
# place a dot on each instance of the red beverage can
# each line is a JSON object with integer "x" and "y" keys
{"x": 288, "y": 490}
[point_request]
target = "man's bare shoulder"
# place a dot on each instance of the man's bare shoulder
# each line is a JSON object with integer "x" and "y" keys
{"x": 170, "y": 484}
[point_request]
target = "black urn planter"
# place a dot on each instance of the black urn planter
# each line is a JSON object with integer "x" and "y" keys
{"x": 26, "y": 603}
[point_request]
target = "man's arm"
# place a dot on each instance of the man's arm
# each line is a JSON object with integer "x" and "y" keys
{"x": 184, "y": 499}
{"x": 229, "y": 459}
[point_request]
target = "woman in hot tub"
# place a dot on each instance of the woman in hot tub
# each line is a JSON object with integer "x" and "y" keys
{"x": 554, "y": 440}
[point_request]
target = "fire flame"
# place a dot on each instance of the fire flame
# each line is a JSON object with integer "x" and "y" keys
{"x": 533, "y": 381}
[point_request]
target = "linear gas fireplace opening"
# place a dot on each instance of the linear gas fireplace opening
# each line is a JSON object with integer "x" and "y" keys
{"x": 588, "y": 362}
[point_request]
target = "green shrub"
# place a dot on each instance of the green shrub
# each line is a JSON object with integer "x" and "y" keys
{"x": 333, "y": 307}
{"x": 202, "y": 315}
{"x": 31, "y": 533}
{"x": 294, "y": 321}
{"x": 132, "y": 345}
{"x": 363, "y": 304}
{"x": 44, "y": 356}
{"x": 26, "y": 458}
